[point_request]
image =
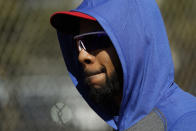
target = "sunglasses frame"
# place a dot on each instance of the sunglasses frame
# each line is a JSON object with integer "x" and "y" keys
{"x": 79, "y": 42}
{"x": 90, "y": 33}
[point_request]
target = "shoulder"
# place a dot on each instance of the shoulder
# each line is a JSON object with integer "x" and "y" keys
{"x": 187, "y": 122}
{"x": 179, "y": 109}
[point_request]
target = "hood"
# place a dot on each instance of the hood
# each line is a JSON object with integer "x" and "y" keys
{"x": 137, "y": 32}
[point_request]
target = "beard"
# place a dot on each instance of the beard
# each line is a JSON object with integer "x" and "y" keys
{"x": 104, "y": 97}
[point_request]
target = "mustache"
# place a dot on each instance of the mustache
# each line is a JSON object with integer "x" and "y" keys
{"x": 91, "y": 72}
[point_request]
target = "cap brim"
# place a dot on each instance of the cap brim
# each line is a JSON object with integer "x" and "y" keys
{"x": 68, "y": 22}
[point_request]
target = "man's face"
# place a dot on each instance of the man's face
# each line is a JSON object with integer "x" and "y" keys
{"x": 101, "y": 68}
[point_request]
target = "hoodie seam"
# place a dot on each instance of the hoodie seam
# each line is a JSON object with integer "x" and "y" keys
{"x": 140, "y": 16}
{"x": 163, "y": 118}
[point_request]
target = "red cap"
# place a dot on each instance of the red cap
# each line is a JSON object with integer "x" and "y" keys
{"x": 68, "y": 20}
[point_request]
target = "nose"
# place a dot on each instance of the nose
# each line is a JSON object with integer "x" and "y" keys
{"x": 85, "y": 57}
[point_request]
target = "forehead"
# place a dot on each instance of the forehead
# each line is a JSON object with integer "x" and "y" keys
{"x": 89, "y": 26}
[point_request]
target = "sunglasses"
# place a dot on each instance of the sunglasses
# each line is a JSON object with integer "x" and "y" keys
{"x": 92, "y": 41}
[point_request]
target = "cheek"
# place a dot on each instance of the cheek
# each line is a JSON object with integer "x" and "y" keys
{"x": 105, "y": 60}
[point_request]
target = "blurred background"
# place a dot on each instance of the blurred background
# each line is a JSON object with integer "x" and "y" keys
{"x": 36, "y": 93}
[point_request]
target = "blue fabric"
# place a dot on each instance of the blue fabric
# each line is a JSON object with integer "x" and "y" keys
{"x": 138, "y": 34}
{"x": 185, "y": 123}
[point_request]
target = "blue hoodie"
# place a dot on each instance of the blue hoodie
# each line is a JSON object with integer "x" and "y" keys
{"x": 137, "y": 32}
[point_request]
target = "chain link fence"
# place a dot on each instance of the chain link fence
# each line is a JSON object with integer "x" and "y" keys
{"x": 36, "y": 93}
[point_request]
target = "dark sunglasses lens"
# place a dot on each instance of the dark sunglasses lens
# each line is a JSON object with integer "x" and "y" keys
{"x": 97, "y": 41}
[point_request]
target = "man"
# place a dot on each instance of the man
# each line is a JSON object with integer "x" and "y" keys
{"x": 118, "y": 57}
{"x": 102, "y": 72}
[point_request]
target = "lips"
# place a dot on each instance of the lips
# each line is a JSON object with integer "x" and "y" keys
{"x": 95, "y": 77}
{"x": 89, "y": 73}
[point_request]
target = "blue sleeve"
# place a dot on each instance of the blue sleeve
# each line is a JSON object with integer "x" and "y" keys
{"x": 186, "y": 123}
